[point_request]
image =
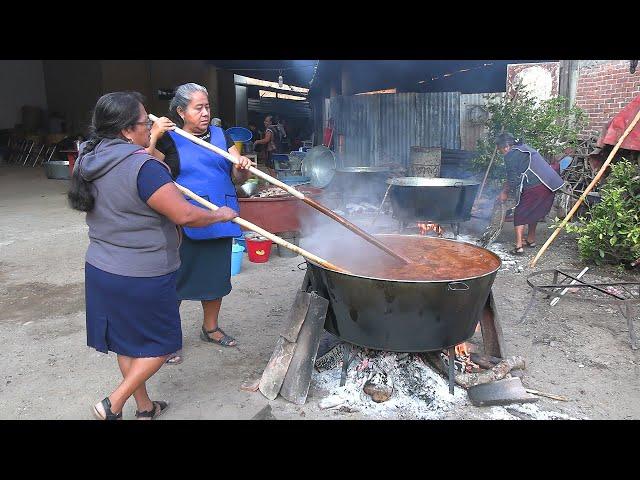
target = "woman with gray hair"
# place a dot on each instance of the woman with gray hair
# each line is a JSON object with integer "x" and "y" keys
{"x": 532, "y": 181}
{"x": 205, "y": 272}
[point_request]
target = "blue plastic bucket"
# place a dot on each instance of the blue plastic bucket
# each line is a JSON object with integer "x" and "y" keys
{"x": 236, "y": 258}
{"x": 241, "y": 241}
{"x": 240, "y": 134}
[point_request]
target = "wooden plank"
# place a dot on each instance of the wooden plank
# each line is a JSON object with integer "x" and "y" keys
{"x": 276, "y": 369}
{"x": 492, "y": 337}
{"x": 298, "y": 378}
{"x": 296, "y": 316}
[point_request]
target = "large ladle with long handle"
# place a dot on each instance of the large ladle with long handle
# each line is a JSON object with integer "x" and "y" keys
{"x": 255, "y": 228}
{"x": 292, "y": 191}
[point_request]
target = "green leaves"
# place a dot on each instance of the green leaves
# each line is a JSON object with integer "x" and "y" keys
{"x": 612, "y": 234}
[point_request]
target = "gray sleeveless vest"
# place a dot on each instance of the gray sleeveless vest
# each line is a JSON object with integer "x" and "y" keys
{"x": 127, "y": 237}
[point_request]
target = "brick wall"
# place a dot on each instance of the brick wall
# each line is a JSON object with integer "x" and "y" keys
{"x": 604, "y": 88}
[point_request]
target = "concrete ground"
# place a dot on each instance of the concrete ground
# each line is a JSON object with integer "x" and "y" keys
{"x": 577, "y": 350}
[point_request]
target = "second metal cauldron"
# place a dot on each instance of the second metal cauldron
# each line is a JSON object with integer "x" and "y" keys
{"x": 442, "y": 200}
{"x": 405, "y": 316}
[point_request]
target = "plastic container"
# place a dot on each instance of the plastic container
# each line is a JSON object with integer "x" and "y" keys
{"x": 239, "y": 146}
{"x": 258, "y": 248}
{"x": 241, "y": 241}
{"x": 236, "y": 258}
{"x": 240, "y": 134}
{"x": 291, "y": 237}
{"x": 295, "y": 179}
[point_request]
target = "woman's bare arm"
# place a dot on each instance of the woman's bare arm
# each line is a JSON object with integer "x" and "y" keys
{"x": 168, "y": 201}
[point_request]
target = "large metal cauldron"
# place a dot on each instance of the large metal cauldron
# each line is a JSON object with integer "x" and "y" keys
{"x": 405, "y": 316}
{"x": 360, "y": 183}
{"x": 441, "y": 200}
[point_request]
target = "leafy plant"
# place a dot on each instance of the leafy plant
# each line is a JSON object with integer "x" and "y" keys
{"x": 612, "y": 234}
{"x": 547, "y": 126}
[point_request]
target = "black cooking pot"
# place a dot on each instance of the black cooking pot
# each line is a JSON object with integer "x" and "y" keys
{"x": 360, "y": 183}
{"x": 441, "y": 200}
{"x": 401, "y": 315}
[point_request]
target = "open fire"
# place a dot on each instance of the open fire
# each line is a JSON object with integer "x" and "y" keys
{"x": 430, "y": 227}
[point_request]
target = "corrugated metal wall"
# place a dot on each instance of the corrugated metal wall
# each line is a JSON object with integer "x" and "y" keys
{"x": 473, "y": 114}
{"x": 380, "y": 129}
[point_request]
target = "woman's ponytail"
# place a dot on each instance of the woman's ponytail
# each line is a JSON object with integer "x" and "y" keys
{"x": 80, "y": 193}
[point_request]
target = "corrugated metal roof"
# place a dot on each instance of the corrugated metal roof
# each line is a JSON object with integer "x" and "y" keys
{"x": 290, "y": 108}
{"x": 380, "y": 129}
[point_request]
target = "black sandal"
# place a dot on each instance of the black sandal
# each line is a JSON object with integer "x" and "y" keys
{"x": 531, "y": 244}
{"x": 224, "y": 341}
{"x": 158, "y": 408}
{"x": 106, "y": 404}
{"x": 517, "y": 251}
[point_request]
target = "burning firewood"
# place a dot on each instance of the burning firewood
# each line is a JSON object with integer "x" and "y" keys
{"x": 431, "y": 227}
{"x": 467, "y": 380}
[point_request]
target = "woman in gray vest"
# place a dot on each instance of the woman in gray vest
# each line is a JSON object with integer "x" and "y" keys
{"x": 132, "y": 208}
{"x": 532, "y": 181}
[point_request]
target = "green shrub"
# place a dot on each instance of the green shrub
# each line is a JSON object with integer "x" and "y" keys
{"x": 612, "y": 233}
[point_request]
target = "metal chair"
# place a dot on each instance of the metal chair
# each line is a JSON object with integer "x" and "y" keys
{"x": 16, "y": 149}
{"x": 48, "y": 154}
{"x": 35, "y": 161}
{"x": 27, "y": 152}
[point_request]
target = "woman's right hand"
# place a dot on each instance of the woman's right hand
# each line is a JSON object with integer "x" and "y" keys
{"x": 503, "y": 196}
{"x": 226, "y": 214}
{"x": 160, "y": 126}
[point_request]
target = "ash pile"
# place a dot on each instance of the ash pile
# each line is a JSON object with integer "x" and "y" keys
{"x": 385, "y": 385}
{"x": 389, "y": 385}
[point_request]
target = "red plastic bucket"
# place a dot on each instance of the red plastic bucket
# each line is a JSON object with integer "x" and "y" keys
{"x": 258, "y": 248}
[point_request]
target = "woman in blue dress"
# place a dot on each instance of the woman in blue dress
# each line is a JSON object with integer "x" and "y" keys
{"x": 205, "y": 253}
{"x": 132, "y": 209}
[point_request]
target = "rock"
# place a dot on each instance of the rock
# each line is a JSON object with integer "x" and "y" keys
{"x": 378, "y": 393}
{"x": 379, "y": 387}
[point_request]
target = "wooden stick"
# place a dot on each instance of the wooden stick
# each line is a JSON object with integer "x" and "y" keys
{"x": 486, "y": 174}
{"x": 263, "y": 232}
{"x": 587, "y": 190}
{"x": 573, "y": 282}
{"x": 548, "y": 395}
{"x": 296, "y": 193}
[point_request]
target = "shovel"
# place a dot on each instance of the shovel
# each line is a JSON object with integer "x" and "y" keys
{"x": 292, "y": 191}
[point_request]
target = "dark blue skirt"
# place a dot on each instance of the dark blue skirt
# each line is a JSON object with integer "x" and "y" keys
{"x": 205, "y": 269}
{"x": 132, "y": 316}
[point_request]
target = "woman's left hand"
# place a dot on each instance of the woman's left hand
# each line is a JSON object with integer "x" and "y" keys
{"x": 243, "y": 163}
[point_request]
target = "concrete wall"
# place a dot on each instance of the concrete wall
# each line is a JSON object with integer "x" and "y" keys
{"x": 21, "y": 83}
{"x": 73, "y": 86}
{"x": 226, "y": 98}
{"x": 604, "y": 88}
{"x": 170, "y": 74}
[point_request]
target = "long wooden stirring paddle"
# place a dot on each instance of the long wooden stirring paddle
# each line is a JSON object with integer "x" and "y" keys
{"x": 263, "y": 232}
{"x": 296, "y": 193}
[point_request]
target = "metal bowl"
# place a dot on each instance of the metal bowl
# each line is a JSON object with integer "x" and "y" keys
{"x": 319, "y": 165}
{"x": 249, "y": 188}
{"x": 57, "y": 169}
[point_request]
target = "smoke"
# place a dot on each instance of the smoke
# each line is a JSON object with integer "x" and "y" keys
{"x": 357, "y": 201}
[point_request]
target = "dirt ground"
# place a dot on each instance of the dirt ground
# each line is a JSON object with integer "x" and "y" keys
{"x": 578, "y": 350}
